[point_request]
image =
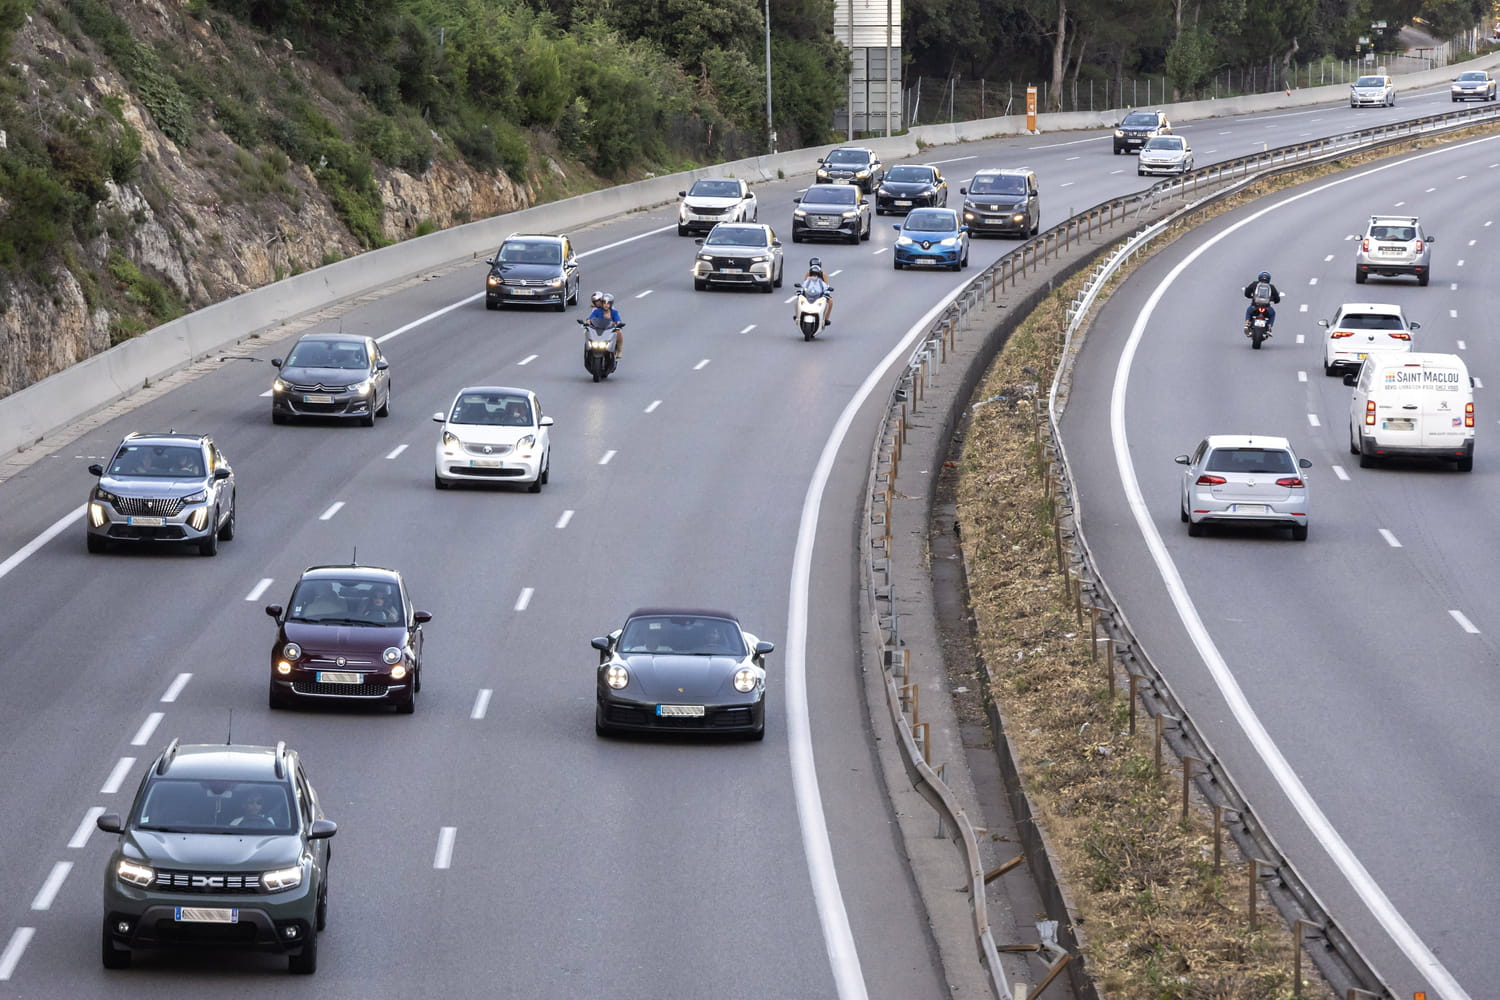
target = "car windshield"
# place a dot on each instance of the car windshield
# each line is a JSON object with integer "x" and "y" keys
{"x": 1370, "y": 81}
{"x": 911, "y": 175}
{"x": 1371, "y": 321}
{"x": 332, "y": 601}
{"x": 998, "y": 184}
{"x": 491, "y": 409}
{"x": 1404, "y": 234}
{"x": 830, "y": 194}
{"x": 691, "y": 635}
{"x": 848, "y": 157}
{"x": 931, "y": 222}
{"x": 1474, "y": 77}
{"x": 736, "y": 237}
{"x": 527, "y": 252}
{"x": 237, "y": 807}
{"x": 1139, "y": 119}
{"x": 1170, "y": 143}
{"x": 714, "y": 189}
{"x": 1264, "y": 461}
{"x": 326, "y": 354}
{"x": 157, "y": 461}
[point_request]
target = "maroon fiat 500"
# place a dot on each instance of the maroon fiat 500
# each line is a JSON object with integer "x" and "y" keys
{"x": 349, "y": 633}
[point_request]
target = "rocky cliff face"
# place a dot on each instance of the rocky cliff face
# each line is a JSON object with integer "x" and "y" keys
{"x": 199, "y": 220}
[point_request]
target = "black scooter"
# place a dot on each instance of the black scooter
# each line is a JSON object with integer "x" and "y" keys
{"x": 600, "y": 337}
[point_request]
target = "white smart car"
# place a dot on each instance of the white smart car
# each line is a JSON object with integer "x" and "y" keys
{"x": 1358, "y": 329}
{"x": 494, "y": 434}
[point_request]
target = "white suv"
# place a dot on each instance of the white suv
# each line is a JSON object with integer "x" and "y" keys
{"x": 1393, "y": 245}
{"x": 1361, "y": 328}
{"x": 712, "y": 200}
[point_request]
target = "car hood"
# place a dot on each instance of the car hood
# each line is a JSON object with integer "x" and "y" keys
{"x": 524, "y": 271}
{"x": 489, "y": 433}
{"x": 727, "y": 250}
{"x": 907, "y": 187}
{"x": 669, "y": 676}
{"x": 135, "y": 486}
{"x": 313, "y": 637}
{"x": 214, "y": 850}
{"x": 1372, "y": 89}
{"x": 996, "y": 200}
{"x": 704, "y": 201}
{"x": 1164, "y": 154}
{"x": 329, "y": 377}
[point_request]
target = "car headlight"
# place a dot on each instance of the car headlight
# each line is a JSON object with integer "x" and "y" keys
{"x": 822, "y": 172}
{"x": 360, "y": 388}
{"x": 281, "y": 879}
{"x": 744, "y": 680}
{"x": 904, "y": 240}
{"x": 554, "y": 282}
{"x": 198, "y": 497}
{"x": 1119, "y": 133}
{"x": 450, "y": 440}
{"x": 494, "y": 281}
{"x": 398, "y": 672}
{"x": 853, "y": 214}
{"x": 278, "y": 386}
{"x": 97, "y": 517}
{"x": 291, "y": 651}
{"x": 861, "y": 173}
{"x": 616, "y": 676}
{"x": 1018, "y": 217}
{"x": 1455, "y": 88}
{"x": 951, "y": 241}
{"x": 707, "y": 258}
{"x": 526, "y": 443}
{"x": 136, "y": 874}
{"x": 391, "y": 655}
{"x": 799, "y": 213}
{"x": 100, "y": 493}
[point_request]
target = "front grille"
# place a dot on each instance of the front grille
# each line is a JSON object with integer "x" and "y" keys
{"x": 340, "y": 690}
{"x": 528, "y": 282}
{"x": 707, "y": 211}
{"x": 219, "y": 883}
{"x": 242, "y": 933}
{"x": 716, "y": 718}
{"x": 487, "y": 473}
{"x": 326, "y": 661}
{"x": 740, "y": 262}
{"x": 489, "y": 450}
{"x": 315, "y": 387}
{"x": 144, "y": 533}
{"x": 149, "y": 506}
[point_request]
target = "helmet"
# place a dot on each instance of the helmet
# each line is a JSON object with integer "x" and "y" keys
{"x": 596, "y": 298}
{"x": 1263, "y": 276}
{"x": 609, "y": 299}
{"x": 815, "y": 267}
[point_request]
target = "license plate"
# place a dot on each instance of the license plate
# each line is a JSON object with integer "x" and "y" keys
{"x": 339, "y": 677}
{"x": 925, "y": 261}
{"x": 901, "y": 201}
{"x": 1247, "y": 508}
{"x": 680, "y": 711}
{"x": 1392, "y": 250}
{"x": 1398, "y": 424}
{"x": 204, "y": 915}
{"x": 484, "y": 463}
{"x": 317, "y": 397}
{"x": 146, "y": 522}
{"x": 731, "y": 270}
{"x": 841, "y": 180}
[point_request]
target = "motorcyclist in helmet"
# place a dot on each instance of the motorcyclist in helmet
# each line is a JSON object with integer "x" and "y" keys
{"x": 813, "y": 283}
{"x": 1270, "y": 295}
{"x": 604, "y": 308}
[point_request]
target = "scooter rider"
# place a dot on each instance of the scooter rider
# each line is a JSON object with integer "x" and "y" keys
{"x": 604, "y": 308}
{"x": 813, "y": 284}
{"x": 1268, "y": 295}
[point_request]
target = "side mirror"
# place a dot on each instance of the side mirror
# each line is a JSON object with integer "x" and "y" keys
{"x": 1351, "y": 378}
{"x": 1415, "y": 326}
{"x": 109, "y": 823}
{"x": 1304, "y": 463}
{"x": 797, "y": 200}
{"x": 547, "y": 421}
{"x": 275, "y": 362}
{"x": 421, "y": 617}
{"x": 274, "y": 610}
{"x": 490, "y": 261}
{"x": 699, "y": 241}
{"x": 601, "y": 643}
{"x": 763, "y": 647}
{"x": 222, "y": 473}
{"x": 798, "y": 286}
{"x": 1431, "y": 238}
{"x": 682, "y": 194}
{"x": 963, "y": 190}
{"x": 1322, "y": 322}
{"x": 895, "y": 227}
{"x": 1182, "y": 460}
{"x": 775, "y": 244}
{"x": 439, "y": 418}
{"x": 322, "y": 829}
{"x": 820, "y": 162}
{"x": 382, "y": 365}
{"x": 97, "y": 469}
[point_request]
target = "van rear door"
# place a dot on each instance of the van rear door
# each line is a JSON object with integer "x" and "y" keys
{"x": 1444, "y": 402}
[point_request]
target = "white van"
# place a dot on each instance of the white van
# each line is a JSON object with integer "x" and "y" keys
{"x": 1412, "y": 405}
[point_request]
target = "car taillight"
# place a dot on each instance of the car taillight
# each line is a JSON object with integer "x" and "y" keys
{"x": 1419, "y": 246}
{"x": 1207, "y": 480}
{"x": 1468, "y": 414}
{"x": 1341, "y": 334}
{"x": 1293, "y": 482}
{"x": 1364, "y": 245}
{"x": 1369, "y": 413}
{"x": 1399, "y": 336}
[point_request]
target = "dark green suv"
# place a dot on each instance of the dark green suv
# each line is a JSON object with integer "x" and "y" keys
{"x": 225, "y": 847}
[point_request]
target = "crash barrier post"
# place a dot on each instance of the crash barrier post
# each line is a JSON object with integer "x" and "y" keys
{"x": 1298, "y": 926}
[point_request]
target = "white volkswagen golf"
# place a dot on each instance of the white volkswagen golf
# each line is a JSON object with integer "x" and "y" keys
{"x": 494, "y": 434}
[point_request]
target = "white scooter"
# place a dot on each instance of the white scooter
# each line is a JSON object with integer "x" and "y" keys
{"x": 812, "y": 310}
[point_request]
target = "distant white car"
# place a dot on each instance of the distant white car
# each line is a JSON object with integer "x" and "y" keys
{"x": 494, "y": 434}
{"x": 1375, "y": 90}
{"x": 1165, "y": 154}
{"x": 712, "y": 200}
{"x": 1358, "y": 329}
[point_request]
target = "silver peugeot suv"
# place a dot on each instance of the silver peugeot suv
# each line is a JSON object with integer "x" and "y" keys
{"x": 166, "y": 487}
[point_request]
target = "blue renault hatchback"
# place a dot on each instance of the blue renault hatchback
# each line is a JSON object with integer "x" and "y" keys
{"x": 932, "y": 237}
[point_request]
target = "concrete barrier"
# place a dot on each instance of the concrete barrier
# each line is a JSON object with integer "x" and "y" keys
{"x": 27, "y": 417}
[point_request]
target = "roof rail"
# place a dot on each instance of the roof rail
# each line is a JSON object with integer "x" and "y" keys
{"x": 167, "y": 756}
{"x": 280, "y": 753}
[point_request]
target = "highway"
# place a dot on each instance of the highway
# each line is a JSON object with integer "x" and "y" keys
{"x": 627, "y": 868}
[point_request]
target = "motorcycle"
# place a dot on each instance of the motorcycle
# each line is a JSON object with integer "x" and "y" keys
{"x": 600, "y": 337}
{"x": 811, "y": 309}
{"x": 1258, "y": 327}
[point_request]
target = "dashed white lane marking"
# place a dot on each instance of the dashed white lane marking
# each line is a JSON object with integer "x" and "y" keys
{"x": 789, "y": 300}
{"x": 1462, "y": 177}
{"x": 1399, "y": 204}
{"x": 1302, "y": 376}
{"x": 1462, "y": 346}
{"x": 1390, "y": 539}
{"x": 1328, "y": 258}
{"x": 1312, "y": 418}
{"x": 11, "y": 956}
{"x": 481, "y": 703}
{"x": 607, "y": 456}
{"x": 882, "y": 250}
{"x": 258, "y": 589}
{"x": 333, "y": 509}
{"x": 147, "y": 728}
{"x": 562, "y": 522}
{"x": 48, "y": 892}
{"x": 1226, "y": 133}
{"x": 81, "y": 835}
{"x": 701, "y": 365}
{"x": 1453, "y": 287}
{"x": 528, "y": 359}
{"x": 654, "y": 404}
{"x": 525, "y": 598}
{"x": 1453, "y": 314}
{"x": 1463, "y": 622}
{"x": 749, "y": 328}
{"x": 26, "y": 551}
{"x": 1472, "y": 242}
{"x": 1312, "y": 281}
{"x": 1302, "y": 308}
{"x": 1460, "y": 262}
{"x": 117, "y": 775}
{"x": 1301, "y": 338}
{"x": 1338, "y": 470}
{"x": 1066, "y": 184}
{"x": 395, "y": 451}
{"x": 1429, "y": 191}
{"x": 642, "y": 295}
{"x": 1117, "y": 171}
{"x": 1478, "y": 382}
{"x": 444, "y": 856}
{"x": 175, "y": 688}
{"x": 1072, "y": 157}
{"x": 835, "y": 274}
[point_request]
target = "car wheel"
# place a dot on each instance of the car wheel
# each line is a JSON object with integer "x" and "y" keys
{"x": 1423, "y": 278}
{"x": 854, "y": 238}
{"x": 1359, "y": 276}
{"x": 305, "y": 962}
{"x": 768, "y": 286}
{"x": 574, "y": 300}
{"x": 1195, "y": 528}
{"x": 1036, "y": 226}
{"x": 1366, "y": 461}
{"x": 1329, "y": 369}
{"x": 535, "y": 486}
{"x": 1466, "y": 464}
{"x": 491, "y": 305}
{"x": 368, "y": 420}
{"x": 416, "y": 680}
{"x": 111, "y": 956}
{"x": 274, "y": 700}
{"x": 600, "y": 729}
{"x": 407, "y": 707}
{"x": 757, "y": 735}
{"x": 866, "y": 234}
{"x": 683, "y": 230}
{"x": 96, "y": 543}
{"x": 895, "y": 263}
{"x": 322, "y": 915}
{"x": 226, "y": 530}
{"x": 796, "y": 236}
{"x": 209, "y": 546}
{"x": 439, "y": 482}
{"x": 562, "y": 303}
{"x": 278, "y": 418}
{"x": 780, "y": 273}
{"x": 1183, "y": 514}
{"x": 547, "y": 469}
{"x": 698, "y": 285}
{"x": 385, "y": 408}
{"x": 1139, "y": 172}
{"x": 1299, "y": 532}
{"x": 965, "y": 261}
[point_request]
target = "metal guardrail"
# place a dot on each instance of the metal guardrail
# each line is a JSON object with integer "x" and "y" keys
{"x": 1340, "y": 959}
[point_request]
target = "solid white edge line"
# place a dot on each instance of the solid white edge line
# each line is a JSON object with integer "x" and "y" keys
{"x": 175, "y": 688}
{"x": 481, "y": 703}
{"x": 29, "y": 549}
{"x": 117, "y": 776}
{"x": 1463, "y": 622}
{"x": 1390, "y": 538}
{"x": 258, "y": 589}
{"x": 48, "y": 892}
{"x": 11, "y": 956}
{"x": 444, "y": 856}
{"x": 1379, "y": 904}
{"x": 832, "y": 914}
{"x": 86, "y": 827}
{"x": 147, "y": 728}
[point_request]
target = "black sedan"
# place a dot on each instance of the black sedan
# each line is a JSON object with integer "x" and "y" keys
{"x": 911, "y": 185}
{"x": 681, "y": 670}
